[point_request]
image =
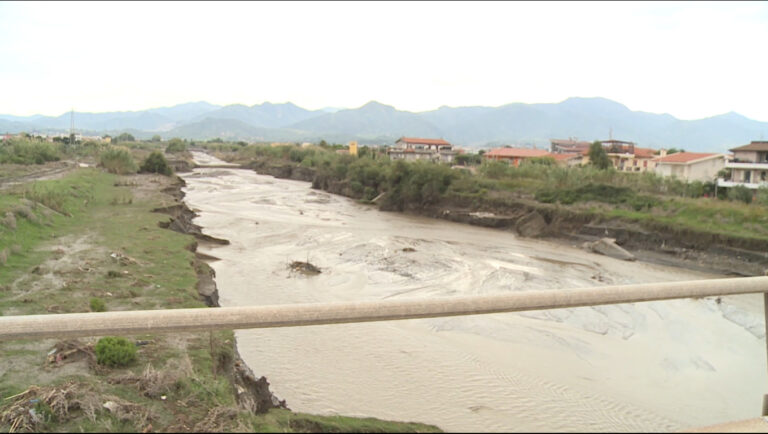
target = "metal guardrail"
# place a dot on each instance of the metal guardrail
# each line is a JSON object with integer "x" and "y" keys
{"x": 294, "y": 315}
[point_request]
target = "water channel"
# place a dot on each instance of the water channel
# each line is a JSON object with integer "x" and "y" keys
{"x": 656, "y": 366}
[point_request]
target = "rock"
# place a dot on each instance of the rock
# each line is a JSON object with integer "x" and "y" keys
{"x": 608, "y": 247}
{"x": 531, "y": 225}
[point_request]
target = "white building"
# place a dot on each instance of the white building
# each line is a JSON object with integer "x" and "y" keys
{"x": 749, "y": 166}
{"x": 691, "y": 166}
{"x": 414, "y": 148}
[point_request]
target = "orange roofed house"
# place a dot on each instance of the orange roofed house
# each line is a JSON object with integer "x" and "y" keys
{"x": 514, "y": 155}
{"x": 415, "y": 148}
{"x": 626, "y": 157}
{"x": 691, "y": 166}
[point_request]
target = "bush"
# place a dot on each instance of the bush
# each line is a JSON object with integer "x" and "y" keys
{"x": 176, "y": 145}
{"x": 20, "y": 151}
{"x": 117, "y": 160}
{"x": 98, "y": 305}
{"x": 761, "y": 197}
{"x": 156, "y": 163}
{"x": 115, "y": 351}
{"x": 740, "y": 193}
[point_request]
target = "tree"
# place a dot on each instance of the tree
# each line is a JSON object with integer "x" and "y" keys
{"x": 125, "y": 137}
{"x": 157, "y": 138}
{"x": 175, "y": 145}
{"x": 156, "y": 163}
{"x": 598, "y": 157}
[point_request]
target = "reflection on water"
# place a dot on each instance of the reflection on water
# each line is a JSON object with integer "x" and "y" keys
{"x": 635, "y": 367}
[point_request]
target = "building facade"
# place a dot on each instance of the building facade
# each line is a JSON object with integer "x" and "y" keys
{"x": 691, "y": 166}
{"x": 514, "y": 156}
{"x": 415, "y": 148}
{"x": 748, "y": 167}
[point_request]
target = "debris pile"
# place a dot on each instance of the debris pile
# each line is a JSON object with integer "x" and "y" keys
{"x": 305, "y": 268}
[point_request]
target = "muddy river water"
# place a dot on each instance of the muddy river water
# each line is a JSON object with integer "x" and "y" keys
{"x": 657, "y": 366}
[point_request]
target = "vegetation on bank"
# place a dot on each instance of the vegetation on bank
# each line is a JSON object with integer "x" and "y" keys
{"x": 644, "y": 198}
{"x": 89, "y": 241}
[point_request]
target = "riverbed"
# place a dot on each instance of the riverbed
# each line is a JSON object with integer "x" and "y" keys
{"x": 656, "y": 366}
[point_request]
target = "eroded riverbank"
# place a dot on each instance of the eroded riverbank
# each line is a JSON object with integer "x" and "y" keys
{"x": 651, "y": 366}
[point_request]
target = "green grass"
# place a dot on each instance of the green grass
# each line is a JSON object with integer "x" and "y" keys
{"x": 286, "y": 421}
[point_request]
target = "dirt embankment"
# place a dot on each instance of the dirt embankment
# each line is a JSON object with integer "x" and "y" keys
{"x": 651, "y": 242}
{"x": 252, "y": 393}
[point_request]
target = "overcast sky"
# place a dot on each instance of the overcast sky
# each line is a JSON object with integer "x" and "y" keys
{"x": 689, "y": 59}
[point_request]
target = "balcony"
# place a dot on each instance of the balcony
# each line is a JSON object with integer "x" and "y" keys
{"x": 746, "y": 165}
{"x": 751, "y": 185}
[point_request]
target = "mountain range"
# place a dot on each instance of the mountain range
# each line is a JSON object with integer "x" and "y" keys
{"x": 516, "y": 124}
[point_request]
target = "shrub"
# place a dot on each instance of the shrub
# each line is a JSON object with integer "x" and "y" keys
{"x": 21, "y": 151}
{"x": 9, "y": 221}
{"x": 25, "y": 212}
{"x": 115, "y": 351}
{"x": 98, "y": 305}
{"x": 156, "y": 163}
{"x": 175, "y": 145}
{"x": 740, "y": 193}
{"x": 761, "y": 197}
{"x": 117, "y": 160}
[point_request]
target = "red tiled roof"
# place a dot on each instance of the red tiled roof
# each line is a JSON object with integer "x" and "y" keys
{"x": 517, "y": 152}
{"x": 563, "y": 157}
{"x": 754, "y": 146}
{"x": 421, "y": 141}
{"x": 645, "y": 152}
{"x": 684, "y": 157}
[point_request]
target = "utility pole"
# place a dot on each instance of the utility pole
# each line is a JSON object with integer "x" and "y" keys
{"x": 72, "y": 127}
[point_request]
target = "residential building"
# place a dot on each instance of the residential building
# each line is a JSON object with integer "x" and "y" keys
{"x": 562, "y": 146}
{"x": 749, "y": 166}
{"x": 627, "y": 157}
{"x": 569, "y": 159}
{"x": 514, "y": 155}
{"x": 415, "y": 148}
{"x": 691, "y": 166}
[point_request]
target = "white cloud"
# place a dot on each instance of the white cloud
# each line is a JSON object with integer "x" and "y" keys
{"x": 689, "y": 59}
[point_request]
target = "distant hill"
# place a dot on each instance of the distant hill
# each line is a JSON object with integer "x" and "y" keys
{"x": 371, "y": 120}
{"x": 185, "y": 112}
{"x": 266, "y": 115}
{"x": 473, "y": 127}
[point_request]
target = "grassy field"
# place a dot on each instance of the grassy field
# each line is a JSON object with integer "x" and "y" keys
{"x": 92, "y": 235}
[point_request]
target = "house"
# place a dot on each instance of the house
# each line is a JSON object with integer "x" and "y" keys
{"x": 561, "y": 146}
{"x": 749, "y": 166}
{"x": 514, "y": 155}
{"x": 627, "y": 157}
{"x": 569, "y": 159}
{"x": 691, "y": 166}
{"x": 415, "y": 148}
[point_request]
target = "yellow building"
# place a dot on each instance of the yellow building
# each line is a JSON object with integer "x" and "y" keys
{"x": 353, "y": 147}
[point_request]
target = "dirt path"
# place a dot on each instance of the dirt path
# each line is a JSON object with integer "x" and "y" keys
{"x": 16, "y": 174}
